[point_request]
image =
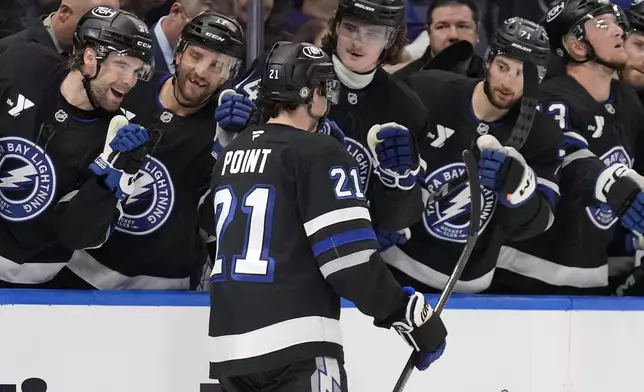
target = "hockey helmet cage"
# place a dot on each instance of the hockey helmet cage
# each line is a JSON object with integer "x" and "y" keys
{"x": 569, "y": 16}
{"x": 635, "y": 16}
{"x": 378, "y": 12}
{"x": 111, "y": 30}
{"x": 293, "y": 70}
{"x": 521, "y": 40}
{"x": 218, "y": 33}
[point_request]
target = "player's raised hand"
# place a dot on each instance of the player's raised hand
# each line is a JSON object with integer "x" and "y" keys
{"x": 122, "y": 156}
{"x": 505, "y": 171}
{"x": 234, "y": 111}
{"x": 397, "y": 159}
{"x": 330, "y": 128}
{"x": 421, "y": 329}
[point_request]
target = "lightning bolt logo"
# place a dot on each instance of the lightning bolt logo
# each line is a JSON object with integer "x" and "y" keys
{"x": 458, "y": 206}
{"x": 140, "y": 188}
{"x": 18, "y": 176}
{"x": 327, "y": 377}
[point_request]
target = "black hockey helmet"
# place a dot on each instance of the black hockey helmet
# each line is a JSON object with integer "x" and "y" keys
{"x": 569, "y": 17}
{"x": 293, "y": 70}
{"x": 111, "y": 30}
{"x": 522, "y": 40}
{"x": 635, "y": 16}
{"x": 379, "y": 12}
{"x": 218, "y": 33}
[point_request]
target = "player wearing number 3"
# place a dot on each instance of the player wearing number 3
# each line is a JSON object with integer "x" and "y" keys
{"x": 363, "y": 35}
{"x": 294, "y": 235}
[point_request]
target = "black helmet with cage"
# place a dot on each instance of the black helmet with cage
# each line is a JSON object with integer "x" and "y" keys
{"x": 521, "y": 40}
{"x": 569, "y": 17}
{"x": 292, "y": 72}
{"x": 218, "y": 33}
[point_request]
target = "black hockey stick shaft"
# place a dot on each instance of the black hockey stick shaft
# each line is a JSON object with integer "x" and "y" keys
{"x": 475, "y": 220}
{"x": 520, "y": 131}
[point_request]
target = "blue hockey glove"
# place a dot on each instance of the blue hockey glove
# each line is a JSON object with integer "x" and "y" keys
{"x": 234, "y": 111}
{"x": 622, "y": 188}
{"x": 387, "y": 239}
{"x": 328, "y": 127}
{"x": 421, "y": 329}
{"x": 394, "y": 149}
{"x": 122, "y": 156}
{"x": 505, "y": 171}
{"x": 633, "y": 218}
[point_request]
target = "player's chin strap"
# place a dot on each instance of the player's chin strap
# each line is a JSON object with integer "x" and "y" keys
{"x": 592, "y": 56}
{"x": 88, "y": 87}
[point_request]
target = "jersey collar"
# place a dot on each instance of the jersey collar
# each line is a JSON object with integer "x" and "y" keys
{"x": 353, "y": 80}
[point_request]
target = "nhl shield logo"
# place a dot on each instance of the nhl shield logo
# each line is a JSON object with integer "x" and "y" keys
{"x": 603, "y": 216}
{"x": 363, "y": 157}
{"x": 27, "y": 179}
{"x": 352, "y": 98}
{"x": 150, "y": 204}
{"x": 448, "y": 219}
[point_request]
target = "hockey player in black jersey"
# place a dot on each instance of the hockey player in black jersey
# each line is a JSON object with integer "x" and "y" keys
{"x": 158, "y": 220}
{"x": 53, "y": 124}
{"x": 601, "y": 119}
{"x": 633, "y": 72}
{"x": 363, "y": 35}
{"x": 520, "y": 188}
{"x": 294, "y": 234}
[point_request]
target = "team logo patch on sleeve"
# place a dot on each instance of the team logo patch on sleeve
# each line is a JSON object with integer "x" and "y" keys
{"x": 27, "y": 179}
{"x": 603, "y": 216}
{"x": 448, "y": 219}
{"x": 150, "y": 204}
{"x": 363, "y": 157}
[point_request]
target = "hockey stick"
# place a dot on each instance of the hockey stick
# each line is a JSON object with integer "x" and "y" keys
{"x": 520, "y": 131}
{"x": 473, "y": 233}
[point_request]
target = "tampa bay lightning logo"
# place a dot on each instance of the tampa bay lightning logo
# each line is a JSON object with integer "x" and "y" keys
{"x": 150, "y": 204}
{"x": 602, "y": 216}
{"x": 363, "y": 157}
{"x": 27, "y": 179}
{"x": 449, "y": 219}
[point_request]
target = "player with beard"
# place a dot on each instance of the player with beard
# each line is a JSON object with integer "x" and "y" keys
{"x": 601, "y": 119}
{"x": 152, "y": 245}
{"x": 53, "y": 124}
{"x": 519, "y": 188}
{"x": 364, "y": 34}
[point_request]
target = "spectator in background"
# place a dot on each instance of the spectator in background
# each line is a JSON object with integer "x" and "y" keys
{"x": 140, "y": 8}
{"x": 167, "y": 30}
{"x": 56, "y": 30}
{"x": 242, "y": 11}
{"x": 448, "y": 22}
{"x": 311, "y": 9}
{"x": 312, "y": 32}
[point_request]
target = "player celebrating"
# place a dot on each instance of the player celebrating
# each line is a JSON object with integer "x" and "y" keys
{"x": 601, "y": 119}
{"x": 158, "y": 220}
{"x": 55, "y": 125}
{"x": 294, "y": 234}
{"x": 520, "y": 188}
{"x": 364, "y": 34}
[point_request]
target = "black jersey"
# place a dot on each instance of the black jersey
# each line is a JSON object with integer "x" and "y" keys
{"x": 46, "y": 145}
{"x": 382, "y": 101}
{"x": 438, "y": 239}
{"x": 571, "y": 257}
{"x": 294, "y": 235}
{"x": 152, "y": 244}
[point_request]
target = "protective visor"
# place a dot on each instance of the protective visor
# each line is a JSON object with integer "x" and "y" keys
{"x": 130, "y": 62}
{"x": 210, "y": 62}
{"x": 368, "y": 34}
{"x": 324, "y": 75}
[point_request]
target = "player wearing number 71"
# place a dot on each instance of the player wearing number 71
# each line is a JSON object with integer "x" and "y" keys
{"x": 294, "y": 234}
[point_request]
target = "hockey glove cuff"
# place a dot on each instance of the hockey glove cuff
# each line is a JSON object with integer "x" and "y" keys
{"x": 330, "y": 128}
{"x": 505, "y": 171}
{"x": 394, "y": 150}
{"x": 234, "y": 111}
{"x": 421, "y": 329}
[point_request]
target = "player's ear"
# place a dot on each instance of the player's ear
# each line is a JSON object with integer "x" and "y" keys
{"x": 89, "y": 61}
{"x": 576, "y": 48}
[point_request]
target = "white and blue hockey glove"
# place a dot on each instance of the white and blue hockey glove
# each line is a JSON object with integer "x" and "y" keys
{"x": 330, "y": 128}
{"x": 394, "y": 150}
{"x": 505, "y": 171}
{"x": 421, "y": 329}
{"x": 122, "y": 156}
{"x": 387, "y": 239}
{"x": 621, "y": 187}
{"x": 234, "y": 111}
